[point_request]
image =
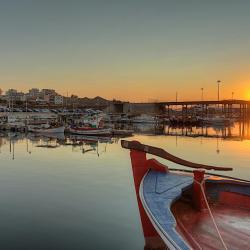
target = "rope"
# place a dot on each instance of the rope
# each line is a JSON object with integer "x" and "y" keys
{"x": 211, "y": 215}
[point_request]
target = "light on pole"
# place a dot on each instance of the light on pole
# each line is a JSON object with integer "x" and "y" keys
{"x": 202, "y": 94}
{"x": 232, "y": 95}
{"x": 218, "y": 83}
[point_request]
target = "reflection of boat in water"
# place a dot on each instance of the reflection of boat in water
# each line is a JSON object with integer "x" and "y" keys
{"x": 122, "y": 132}
{"x": 57, "y": 136}
{"x": 148, "y": 128}
{"x": 217, "y": 121}
{"x": 189, "y": 212}
{"x": 145, "y": 119}
{"x": 89, "y": 143}
{"x": 47, "y": 146}
{"x": 89, "y": 139}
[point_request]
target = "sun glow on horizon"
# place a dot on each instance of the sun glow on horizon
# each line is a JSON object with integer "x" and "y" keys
{"x": 248, "y": 95}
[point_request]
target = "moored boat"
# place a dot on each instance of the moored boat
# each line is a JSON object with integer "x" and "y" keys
{"x": 46, "y": 129}
{"x": 189, "y": 209}
{"x": 92, "y": 126}
{"x": 90, "y": 131}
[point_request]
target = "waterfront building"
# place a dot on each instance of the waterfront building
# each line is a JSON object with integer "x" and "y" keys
{"x": 40, "y": 101}
{"x": 50, "y": 99}
{"x": 46, "y": 92}
{"x": 34, "y": 92}
{"x": 11, "y": 92}
{"x": 58, "y": 100}
{"x": 14, "y": 95}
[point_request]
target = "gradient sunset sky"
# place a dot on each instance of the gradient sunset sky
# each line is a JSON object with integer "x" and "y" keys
{"x": 130, "y": 50}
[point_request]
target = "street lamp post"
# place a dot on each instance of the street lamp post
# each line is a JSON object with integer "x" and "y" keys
{"x": 202, "y": 94}
{"x": 232, "y": 95}
{"x": 218, "y": 93}
{"x": 176, "y": 100}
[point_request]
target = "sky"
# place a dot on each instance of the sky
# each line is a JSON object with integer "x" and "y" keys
{"x": 129, "y": 50}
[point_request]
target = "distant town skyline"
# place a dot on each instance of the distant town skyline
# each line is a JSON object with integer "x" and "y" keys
{"x": 128, "y": 50}
{"x": 41, "y": 92}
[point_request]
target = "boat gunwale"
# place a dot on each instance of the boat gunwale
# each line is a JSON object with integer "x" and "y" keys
{"x": 236, "y": 180}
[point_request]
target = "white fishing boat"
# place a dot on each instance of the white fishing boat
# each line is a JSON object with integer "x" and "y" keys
{"x": 90, "y": 131}
{"x": 46, "y": 128}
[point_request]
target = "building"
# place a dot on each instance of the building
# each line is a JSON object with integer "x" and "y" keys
{"x": 50, "y": 99}
{"x": 34, "y": 93}
{"x": 14, "y": 95}
{"x": 11, "y": 93}
{"x": 40, "y": 101}
{"x": 46, "y": 92}
{"x": 58, "y": 100}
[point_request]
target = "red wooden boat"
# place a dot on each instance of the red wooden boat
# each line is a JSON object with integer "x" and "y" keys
{"x": 90, "y": 131}
{"x": 183, "y": 209}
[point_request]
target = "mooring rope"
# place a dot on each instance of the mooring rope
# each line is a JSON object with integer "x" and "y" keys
{"x": 211, "y": 214}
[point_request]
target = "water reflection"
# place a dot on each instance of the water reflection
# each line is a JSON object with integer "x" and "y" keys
{"x": 77, "y": 143}
{"x": 98, "y": 145}
{"x": 81, "y": 188}
{"x": 236, "y": 131}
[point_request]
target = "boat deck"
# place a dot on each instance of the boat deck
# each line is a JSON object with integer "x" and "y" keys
{"x": 233, "y": 224}
{"x": 158, "y": 191}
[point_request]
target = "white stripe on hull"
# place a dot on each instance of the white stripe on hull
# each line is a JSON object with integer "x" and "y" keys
{"x": 91, "y": 132}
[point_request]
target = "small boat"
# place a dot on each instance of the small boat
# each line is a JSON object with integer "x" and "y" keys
{"x": 90, "y": 131}
{"x": 46, "y": 129}
{"x": 189, "y": 209}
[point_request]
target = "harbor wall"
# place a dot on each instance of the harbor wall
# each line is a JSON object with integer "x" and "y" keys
{"x": 134, "y": 108}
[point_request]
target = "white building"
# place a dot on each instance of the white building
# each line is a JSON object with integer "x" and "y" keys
{"x": 58, "y": 100}
{"x": 11, "y": 92}
{"x": 34, "y": 92}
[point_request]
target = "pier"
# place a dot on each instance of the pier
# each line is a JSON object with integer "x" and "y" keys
{"x": 226, "y": 107}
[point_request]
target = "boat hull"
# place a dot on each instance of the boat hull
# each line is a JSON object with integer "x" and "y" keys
{"x": 91, "y": 132}
{"x": 48, "y": 130}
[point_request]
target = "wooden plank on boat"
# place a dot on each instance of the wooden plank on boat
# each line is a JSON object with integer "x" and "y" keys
{"x": 165, "y": 155}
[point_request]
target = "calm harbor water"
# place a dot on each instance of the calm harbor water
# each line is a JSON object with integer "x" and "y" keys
{"x": 59, "y": 193}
